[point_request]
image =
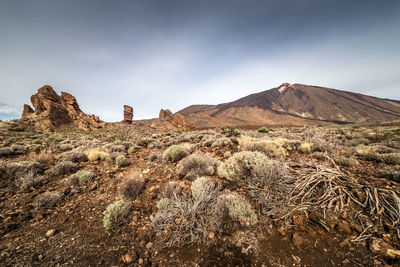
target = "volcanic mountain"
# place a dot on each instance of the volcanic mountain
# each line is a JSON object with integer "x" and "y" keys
{"x": 294, "y": 104}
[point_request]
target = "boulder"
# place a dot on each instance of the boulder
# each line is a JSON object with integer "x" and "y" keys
{"x": 128, "y": 114}
{"x": 53, "y": 111}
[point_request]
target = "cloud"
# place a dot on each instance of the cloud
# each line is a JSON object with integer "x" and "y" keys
{"x": 8, "y": 112}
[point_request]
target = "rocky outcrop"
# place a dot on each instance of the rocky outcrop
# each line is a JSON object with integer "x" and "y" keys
{"x": 128, "y": 114}
{"x": 167, "y": 119}
{"x": 53, "y": 111}
{"x": 27, "y": 111}
{"x": 165, "y": 115}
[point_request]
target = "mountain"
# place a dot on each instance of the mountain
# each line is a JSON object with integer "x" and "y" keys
{"x": 294, "y": 104}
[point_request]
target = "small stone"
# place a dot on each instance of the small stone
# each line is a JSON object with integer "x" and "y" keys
{"x": 343, "y": 227}
{"x": 94, "y": 186}
{"x": 50, "y": 232}
{"x": 40, "y": 257}
{"x": 297, "y": 239}
{"x": 126, "y": 258}
{"x": 211, "y": 235}
{"x": 149, "y": 245}
{"x": 346, "y": 261}
{"x": 281, "y": 231}
{"x": 140, "y": 261}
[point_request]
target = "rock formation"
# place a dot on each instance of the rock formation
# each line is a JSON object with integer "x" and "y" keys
{"x": 165, "y": 115}
{"x": 128, "y": 114}
{"x": 167, "y": 119}
{"x": 53, "y": 111}
{"x": 27, "y": 111}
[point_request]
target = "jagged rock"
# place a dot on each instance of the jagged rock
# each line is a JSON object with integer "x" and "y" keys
{"x": 128, "y": 114}
{"x": 53, "y": 111}
{"x": 168, "y": 120}
{"x": 165, "y": 115}
{"x": 27, "y": 111}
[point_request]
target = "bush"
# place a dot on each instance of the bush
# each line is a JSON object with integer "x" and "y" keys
{"x": 115, "y": 214}
{"x": 390, "y": 158}
{"x": 228, "y": 132}
{"x": 263, "y": 130}
{"x": 131, "y": 187}
{"x": 185, "y": 219}
{"x": 77, "y": 157}
{"x": 171, "y": 189}
{"x": 348, "y": 162}
{"x": 305, "y": 148}
{"x": 237, "y": 208}
{"x": 84, "y": 177}
{"x": 95, "y": 154}
{"x": 222, "y": 142}
{"x": 367, "y": 153}
{"x": 65, "y": 147}
{"x": 30, "y": 180}
{"x": 391, "y": 173}
{"x": 196, "y": 165}
{"x": 65, "y": 167}
{"x": 175, "y": 153}
{"x": 201, "y": 186}
{"x": 162, "y": 203}
{"x": 241, "y": 164}
{"x": 47, "y": 200}
{"x": 271, "y": 148}
{"x": 122, "y": 161}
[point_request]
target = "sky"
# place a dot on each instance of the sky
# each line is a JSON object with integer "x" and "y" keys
{"x": 154, "y": 54}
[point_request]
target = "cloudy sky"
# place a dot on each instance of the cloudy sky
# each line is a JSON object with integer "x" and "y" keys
{"x": 154, "y": 54}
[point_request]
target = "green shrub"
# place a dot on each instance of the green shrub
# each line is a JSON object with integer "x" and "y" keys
{"x": 115, "y": 214}
{"x": 122, "y": 161}
{"x": 263, "y": 130}
{"x": 162, "y": 203}
{"x": 241, "y": 164}
{"x": 228, "y": 132}
{"x": 237, "y": 207}
{"x": 200, "y": 186}
{"x": 84, "y": 177}
{"x": 175, "y": 153}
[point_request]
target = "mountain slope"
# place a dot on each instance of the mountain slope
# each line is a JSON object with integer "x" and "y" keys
{"x": 295, "y": 104}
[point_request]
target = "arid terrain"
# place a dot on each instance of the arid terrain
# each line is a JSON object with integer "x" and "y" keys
{"x": 138, "y": 195}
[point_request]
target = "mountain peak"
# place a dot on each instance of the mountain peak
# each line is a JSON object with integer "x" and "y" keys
{"x": 295, "y": 104}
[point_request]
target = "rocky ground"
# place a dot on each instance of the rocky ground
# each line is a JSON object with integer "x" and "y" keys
{"x": 137, "y": 195}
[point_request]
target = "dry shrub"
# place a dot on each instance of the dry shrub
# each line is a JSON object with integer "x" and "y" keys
{"x": 348, "y": 162}
{"x": 64, "y": 167}
{"x": 47, "y": 200}
{"x": 96, "y": 154}
{"x": 31, "y": 180}
{"x": 44, "y": 157}
{"x": 77, "y": 157}
{"x": 197, "y": 164}
{"x": 305, "y": 148}
{"x": 269, "y": 147}
{"x": 186, "y": 220}
{"x": 171, "y": 188}
{"x": 222, "y": 142}
{"x": 131, "y": 186}
{"x": 392, "y": 173}
{"x": 390, "y": 158}
{"x": 175, "y": 153}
